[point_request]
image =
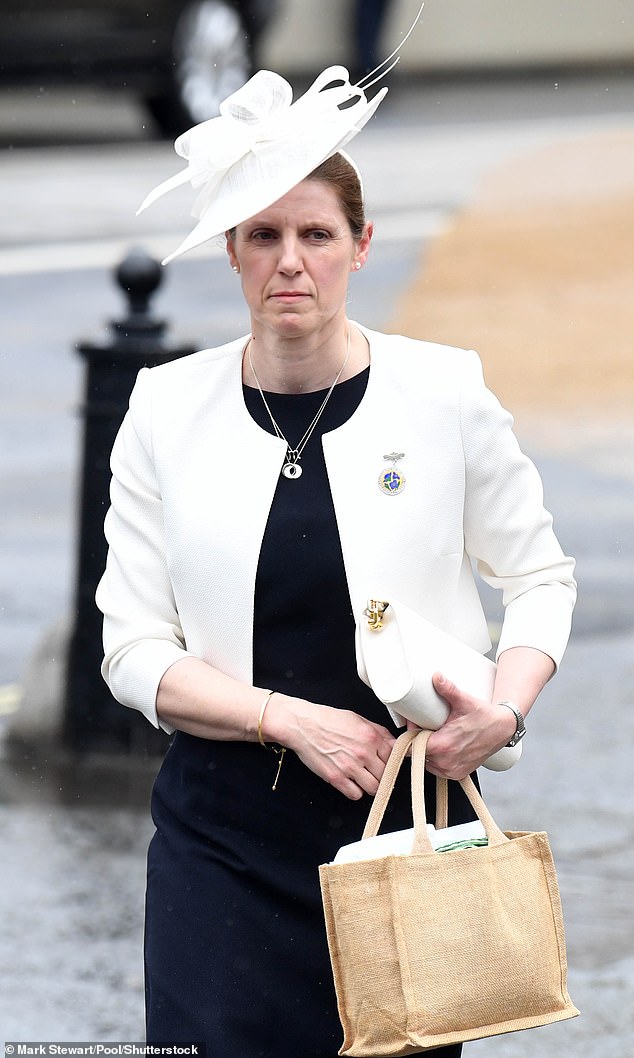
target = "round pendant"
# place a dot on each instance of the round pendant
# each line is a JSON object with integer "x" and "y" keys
{"x": 292, "y": 470}
{"x": 391, "y": 481}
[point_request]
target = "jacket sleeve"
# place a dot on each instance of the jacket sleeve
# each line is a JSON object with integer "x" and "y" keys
{"x": 142, "y": 634}
{"x": 508, "y": 533}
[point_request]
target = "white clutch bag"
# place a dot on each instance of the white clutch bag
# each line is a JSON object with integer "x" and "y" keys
{"x": 397, "y": 654}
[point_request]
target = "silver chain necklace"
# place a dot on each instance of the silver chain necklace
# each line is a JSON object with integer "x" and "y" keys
{"x": 292, "y": 468}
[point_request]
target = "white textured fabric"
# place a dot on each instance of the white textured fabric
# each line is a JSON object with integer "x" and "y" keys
{"x": 194, "y": 478}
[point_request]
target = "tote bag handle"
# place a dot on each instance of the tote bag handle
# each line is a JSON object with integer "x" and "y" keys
{"x": 422, "y": 844}
{"x": 386, "y": 785}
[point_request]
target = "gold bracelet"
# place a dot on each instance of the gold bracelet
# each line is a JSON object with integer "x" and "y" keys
{"x": 278, "y": 750}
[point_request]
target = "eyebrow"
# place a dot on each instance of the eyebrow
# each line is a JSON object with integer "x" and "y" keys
{"x": 267, "y": 222}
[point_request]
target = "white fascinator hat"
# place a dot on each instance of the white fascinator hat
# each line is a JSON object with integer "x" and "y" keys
{"x": 263, "y": 144}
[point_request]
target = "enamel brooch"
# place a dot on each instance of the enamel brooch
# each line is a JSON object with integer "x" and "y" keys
{"x": 391, "y": 480}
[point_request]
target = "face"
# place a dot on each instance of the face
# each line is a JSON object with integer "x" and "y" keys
{"x": 295, "y": 259}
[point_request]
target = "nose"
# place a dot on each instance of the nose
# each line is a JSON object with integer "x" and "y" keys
{"x": 290, "y": 259}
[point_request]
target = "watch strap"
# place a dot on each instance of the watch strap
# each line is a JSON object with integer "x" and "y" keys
{"x": 520, "y": 728}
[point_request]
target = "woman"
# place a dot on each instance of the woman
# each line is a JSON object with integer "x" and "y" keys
{"x": 247, "y": 527}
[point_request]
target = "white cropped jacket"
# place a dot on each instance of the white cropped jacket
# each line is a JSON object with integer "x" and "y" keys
{"x": 194, "y": 478}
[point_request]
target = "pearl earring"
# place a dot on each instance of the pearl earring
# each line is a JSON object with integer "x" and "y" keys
{"x": 357, "y": 265}
{"x": 235, "y": 268}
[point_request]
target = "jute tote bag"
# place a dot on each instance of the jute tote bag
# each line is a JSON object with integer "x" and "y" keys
{"x": 436, "y": 948}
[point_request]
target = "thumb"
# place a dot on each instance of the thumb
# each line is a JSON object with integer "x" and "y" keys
{"x": 453, "y": 696}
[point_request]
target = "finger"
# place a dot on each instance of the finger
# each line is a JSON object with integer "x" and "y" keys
{"x": 458, "y": 700}
{"x": 354, "y": 789}
{"x": 446, "y": 689}
{"x": 378, "y": 745}
{"x": 434, "y": 767}
{"x": 368, "y": 782}
{"x": 438, "y": 770}
{"x": 445, "y": 766}
{"x": 385, "y": 748}
{"x": 374, "y": 768}
{"x": 384, "y": 736}
{"x": 365, "y": 765}
{"x": 364, "y": 774}
{"x": 341, "y": 782}
{"x": 354, "y": 778}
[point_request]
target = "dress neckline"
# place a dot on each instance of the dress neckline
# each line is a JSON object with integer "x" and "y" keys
{"x": 294, "y": 410}
{"x": 313, "y": 394}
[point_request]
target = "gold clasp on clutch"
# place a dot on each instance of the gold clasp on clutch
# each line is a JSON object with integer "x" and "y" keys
{"x": 374, "y": 613}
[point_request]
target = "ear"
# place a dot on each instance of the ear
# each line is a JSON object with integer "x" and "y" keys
{"x": 231, "y": 250}
{"x": 363, "y": 245}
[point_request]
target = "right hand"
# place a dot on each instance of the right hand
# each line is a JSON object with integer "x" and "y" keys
{"x": 343, "y": 748}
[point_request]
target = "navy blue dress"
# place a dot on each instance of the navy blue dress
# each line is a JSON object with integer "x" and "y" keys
{"x": 235, "y": 943}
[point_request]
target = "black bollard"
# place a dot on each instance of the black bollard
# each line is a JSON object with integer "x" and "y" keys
{"x": 93, "y": 720}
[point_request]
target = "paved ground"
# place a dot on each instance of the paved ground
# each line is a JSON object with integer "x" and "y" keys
{"x": 72, "y": 840}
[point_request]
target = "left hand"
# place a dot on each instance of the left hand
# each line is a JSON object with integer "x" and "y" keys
{"x": 473, "y": 731}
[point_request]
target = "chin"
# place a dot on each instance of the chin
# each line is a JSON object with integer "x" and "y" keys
{"x": 294, "y": 325}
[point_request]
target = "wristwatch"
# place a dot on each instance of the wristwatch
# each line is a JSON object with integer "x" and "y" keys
{"x": 520, "y": 730}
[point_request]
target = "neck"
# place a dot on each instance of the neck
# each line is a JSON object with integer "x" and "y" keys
{"x": 300, "y": 365}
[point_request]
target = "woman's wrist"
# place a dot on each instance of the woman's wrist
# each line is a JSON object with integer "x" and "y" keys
{"x": 276, "y": 724}
{"x": 279, "y": 751}
{"x": 505, "y": 720}
{"x": 261, "y": 715}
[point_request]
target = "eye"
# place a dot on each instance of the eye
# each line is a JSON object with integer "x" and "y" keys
{"x": 262, "y": 235}
{"x": 318, "y": 235}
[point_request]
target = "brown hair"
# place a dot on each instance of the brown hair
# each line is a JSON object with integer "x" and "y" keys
{"x": 339, "y": 174}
